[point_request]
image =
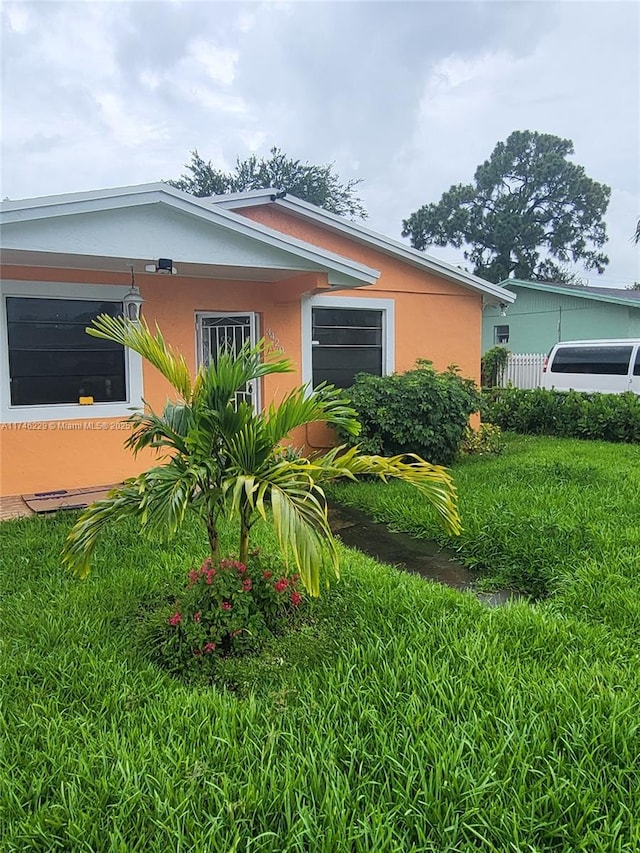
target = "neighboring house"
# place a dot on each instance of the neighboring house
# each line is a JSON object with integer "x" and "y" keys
{"x": 545, "y": 314}
{"x": 334, "y": 296}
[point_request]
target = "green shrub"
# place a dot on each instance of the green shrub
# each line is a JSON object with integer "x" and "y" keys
{"x": 565, "y": 414}
{"x": 493, "y": 364}
{"x": 420, "y": 411}
{"x": 485, "y": 441}
{"x": 227, "y": 608}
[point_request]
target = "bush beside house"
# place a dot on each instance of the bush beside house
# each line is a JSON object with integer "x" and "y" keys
{"x": 420, "y": 411}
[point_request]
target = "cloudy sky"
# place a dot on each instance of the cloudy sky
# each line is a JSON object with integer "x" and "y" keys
{"x": 408, "y": 96}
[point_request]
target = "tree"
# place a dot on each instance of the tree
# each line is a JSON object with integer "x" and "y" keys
{"x": 318, "y": 185}
{"x": 528, "y": 207}
{"x": 221, "y": 456}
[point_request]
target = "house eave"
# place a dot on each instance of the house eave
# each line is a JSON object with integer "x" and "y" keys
{"x": 492, "y": 294}
{"x": 342, "y": 271}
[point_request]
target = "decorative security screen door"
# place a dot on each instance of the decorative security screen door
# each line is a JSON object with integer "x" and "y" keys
{"x": 219, "y": 331}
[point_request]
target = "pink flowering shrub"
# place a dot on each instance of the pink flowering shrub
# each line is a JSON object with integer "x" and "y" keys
{"x": 227, "y": 608}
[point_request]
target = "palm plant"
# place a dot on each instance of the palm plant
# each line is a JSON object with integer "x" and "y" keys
{"x": 218, "y": 455}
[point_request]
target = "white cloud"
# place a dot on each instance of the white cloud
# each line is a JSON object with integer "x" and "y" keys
{"x": 17, "y": 18}
{"x": 409, "y": 96}
{"x": 219, "y": 64}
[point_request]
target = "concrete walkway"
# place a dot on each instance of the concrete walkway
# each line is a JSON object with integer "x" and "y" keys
{"x": 13, "y": 506}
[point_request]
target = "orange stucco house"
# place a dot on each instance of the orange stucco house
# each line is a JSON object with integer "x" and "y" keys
{"x": 333, "y": 295}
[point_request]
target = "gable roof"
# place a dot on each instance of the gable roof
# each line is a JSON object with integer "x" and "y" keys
{"x": 14, "y": 214}
{"x": 630, "y": 298}
{"x": 493, "y": 294}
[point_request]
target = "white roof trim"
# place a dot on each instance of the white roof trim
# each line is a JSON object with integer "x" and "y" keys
{"x": 364, "y": 235}
{"x": 159, "y": 193}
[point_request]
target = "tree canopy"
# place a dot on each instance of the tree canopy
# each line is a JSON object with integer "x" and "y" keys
{"x": 528, "y": 211}
{"x": 318, "y": 185}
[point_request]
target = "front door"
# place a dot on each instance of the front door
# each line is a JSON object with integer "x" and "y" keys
{"x": 217, "y": 331}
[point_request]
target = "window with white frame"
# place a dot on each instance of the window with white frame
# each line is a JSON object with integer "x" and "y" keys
{"x": 349, "y": 335}
{"x": 51, "y": 368}
{"x": 501, "y": 334}
{"x": 53, "y": 360}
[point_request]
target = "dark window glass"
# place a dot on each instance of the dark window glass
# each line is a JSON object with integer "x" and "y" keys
{"x": 346, "y": 341}
{"x": 636, "y": 366}
{"x": 53, "y": 360}
{"x": 611, "y": 360}
{"x": 350, "y": 317}
{"x": 346, "y": 337}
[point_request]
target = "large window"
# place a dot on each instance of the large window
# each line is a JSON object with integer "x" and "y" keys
{"x": 346, "y": 341}
{"x": 50, "y": 369}
{"x": 346, "y": 335}
{"x": 53, "y": 360}
{"x": 606, "y": 360}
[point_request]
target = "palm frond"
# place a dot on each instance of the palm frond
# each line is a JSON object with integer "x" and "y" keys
{"x": 170, "y": 430}
{"x": 227, "y": 421}
{"x": 302, "y": 526}
{"x": 433, "y": 481}
{"x": 154, "y": 348}
{"x": 299, "y": 407}
{"x": 80, "y": 543}
{"x": 299, "y": 516}
{"x": 168, "y": 491}
{"x": 217, "y": 384}
{"x": 159, "y": 499}
{"x": 247, "y": 449}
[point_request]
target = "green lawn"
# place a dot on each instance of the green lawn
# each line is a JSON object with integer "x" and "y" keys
{"x": 404, "y": 716}
{"x": 545, "y": 514}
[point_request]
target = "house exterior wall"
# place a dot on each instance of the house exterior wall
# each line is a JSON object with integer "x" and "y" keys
{"x": 538, "y": 320}
{"x": 46, "y": 455}
{"x": 435, "y": 319}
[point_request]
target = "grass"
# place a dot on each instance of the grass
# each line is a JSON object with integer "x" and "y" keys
{"x": 535, "y": 517}
{"x": 402, "y": 716}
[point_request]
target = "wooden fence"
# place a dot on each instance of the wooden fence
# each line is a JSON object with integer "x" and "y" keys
{"x": 523, "y": 370}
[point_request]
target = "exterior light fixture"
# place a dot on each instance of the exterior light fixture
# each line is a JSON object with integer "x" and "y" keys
{"x": 163, "y": 266}
{"x": 503, "y": 309}
{"x": 133, "y": 301}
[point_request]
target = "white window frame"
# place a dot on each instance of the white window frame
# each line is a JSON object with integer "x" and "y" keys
{"x": 386, "y": 306}
{"x": 497, "y": 334}
{"x": 65, "y": 411}
{"x": 254, "y": 338}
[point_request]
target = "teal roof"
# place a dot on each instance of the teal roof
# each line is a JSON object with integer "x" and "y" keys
{"x": 630, "y": 298}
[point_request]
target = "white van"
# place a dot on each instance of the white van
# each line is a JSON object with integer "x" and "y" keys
{"x": 605, "y": 366}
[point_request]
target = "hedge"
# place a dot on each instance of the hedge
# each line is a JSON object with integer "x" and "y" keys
{"x": 565, "y": 414}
